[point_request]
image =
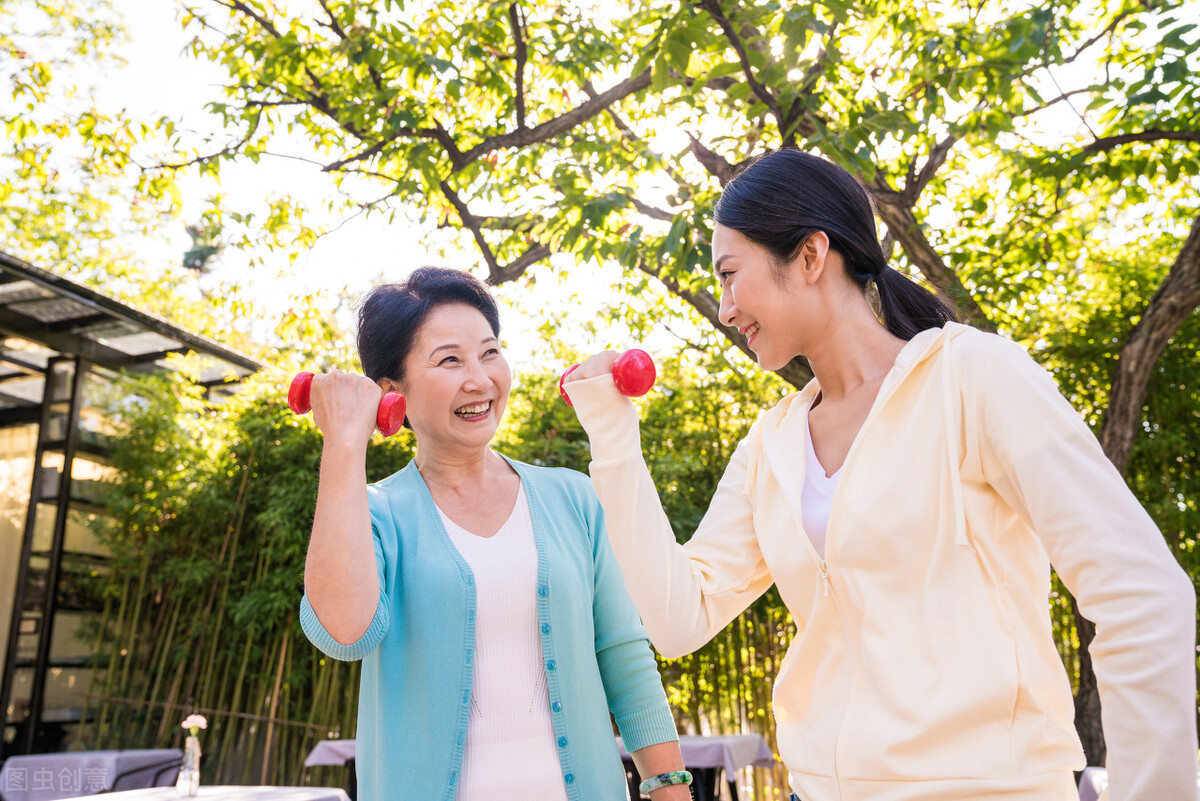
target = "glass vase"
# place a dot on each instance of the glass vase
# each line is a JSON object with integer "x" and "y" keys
{"x": 188, "y": 783}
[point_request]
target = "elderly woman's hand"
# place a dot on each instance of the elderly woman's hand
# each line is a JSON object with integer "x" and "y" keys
{"x": 344, "y": 406}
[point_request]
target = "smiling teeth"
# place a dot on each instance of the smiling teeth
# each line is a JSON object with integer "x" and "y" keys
{"x": 751, "y": 331}
{"x": 471, "y": 411}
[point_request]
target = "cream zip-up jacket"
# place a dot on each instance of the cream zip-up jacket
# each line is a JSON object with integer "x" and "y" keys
{"x": 923, "y": 665}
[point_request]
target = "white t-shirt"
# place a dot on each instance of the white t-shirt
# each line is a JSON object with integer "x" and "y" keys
{"x": 816, "y": 497}
{"x": 510, "y": 753}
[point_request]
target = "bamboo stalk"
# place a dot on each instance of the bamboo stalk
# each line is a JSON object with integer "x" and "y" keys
{"x": 283, "y": 648}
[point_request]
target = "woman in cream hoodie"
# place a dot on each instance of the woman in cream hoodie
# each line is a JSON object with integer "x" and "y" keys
{"x": 908, "y": 503}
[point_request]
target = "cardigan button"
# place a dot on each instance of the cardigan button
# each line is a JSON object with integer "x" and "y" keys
{"x": 562, "y": 742}
{"x": 543, "y": 590}
{"x": 569, "y": 778}
{"x": 545, "y": 628}
{"x": 551, "y": 665}
{"x": 556, "y": 706}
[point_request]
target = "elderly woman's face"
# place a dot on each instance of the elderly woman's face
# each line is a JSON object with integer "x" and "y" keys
{"x": 456, "y": 379}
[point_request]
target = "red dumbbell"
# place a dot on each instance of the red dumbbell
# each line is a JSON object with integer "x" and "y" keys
{"x": 388, "y": 419}
{"x": 633, "y": 372}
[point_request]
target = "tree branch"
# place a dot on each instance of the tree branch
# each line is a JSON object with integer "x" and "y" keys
{"x": 497, "y": 273}
{"x": 651, "y": 211}
{"x": 1152, "y": 135}
{"x": 1112, "y": 26}
{"x": 562, "y": 123}
{"x": 797, "y": 111}
{"x": 1059, "y": 99}
{"x": 715, "y": 163}
{"x": 713, "y": 7}
{"x": 228, "y": 150}
{"x": 338, "y": 31}
{"x": 317, "y": 99}
{"x": 514, "y": 20}
{"x": 632, "y": 136}
{"x": 937, "y": 157}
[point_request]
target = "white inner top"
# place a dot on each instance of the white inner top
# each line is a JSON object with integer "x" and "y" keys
{"x": 510, "y": 750}
{"x": 817, "y": 495}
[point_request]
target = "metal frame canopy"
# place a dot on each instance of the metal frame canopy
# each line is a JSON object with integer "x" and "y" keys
{"x": 66, "y": 317}
{"x": 54, "y": 333}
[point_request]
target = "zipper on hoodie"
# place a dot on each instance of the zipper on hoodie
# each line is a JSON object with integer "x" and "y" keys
{"x": 885, "y": 393}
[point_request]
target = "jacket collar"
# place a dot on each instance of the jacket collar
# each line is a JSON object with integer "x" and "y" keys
{"x": 784, "y": 436}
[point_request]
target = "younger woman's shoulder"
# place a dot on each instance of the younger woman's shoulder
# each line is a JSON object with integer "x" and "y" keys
{"x": 983, "y": 352}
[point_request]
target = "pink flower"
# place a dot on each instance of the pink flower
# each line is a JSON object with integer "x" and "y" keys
{"x": 194, "y": 723}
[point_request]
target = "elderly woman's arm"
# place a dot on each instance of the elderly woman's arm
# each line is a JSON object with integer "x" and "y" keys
{"x": 654, "y": 760}
{"x": 630, "y": 675}
{"x": 340, "y": 575}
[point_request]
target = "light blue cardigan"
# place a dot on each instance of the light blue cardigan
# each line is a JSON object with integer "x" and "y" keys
{"x": 415, "y": 689}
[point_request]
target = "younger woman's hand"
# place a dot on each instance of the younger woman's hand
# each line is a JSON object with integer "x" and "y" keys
{"x": 600, "y": 364}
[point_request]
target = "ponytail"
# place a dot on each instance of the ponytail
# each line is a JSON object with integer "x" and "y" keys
{"x": 907, "y": 307}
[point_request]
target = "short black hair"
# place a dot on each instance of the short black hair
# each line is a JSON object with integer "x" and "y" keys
{"x": 391, "y": 315}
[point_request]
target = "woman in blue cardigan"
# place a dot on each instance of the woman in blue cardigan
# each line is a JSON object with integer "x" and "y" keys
{"x": 481, "y": 593}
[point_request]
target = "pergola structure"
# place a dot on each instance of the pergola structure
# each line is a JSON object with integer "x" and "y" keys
{"x": 61, "y": 346}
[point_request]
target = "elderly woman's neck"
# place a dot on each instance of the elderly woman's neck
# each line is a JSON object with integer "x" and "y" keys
{"x": 453, "y": 470}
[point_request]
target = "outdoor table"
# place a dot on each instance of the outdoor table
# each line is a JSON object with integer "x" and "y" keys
{"x": 704, "y": 756}
{"x": 335, "y": 752}
{"x": 67, "y": 774}
{"x": 235, "y": 793}
{"x": 1094, "y": 781}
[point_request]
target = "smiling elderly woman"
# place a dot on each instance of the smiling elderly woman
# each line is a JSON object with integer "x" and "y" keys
{"x": 481, "y": 593}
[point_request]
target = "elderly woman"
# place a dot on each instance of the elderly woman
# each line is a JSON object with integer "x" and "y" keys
{"x": 481, "y": 593}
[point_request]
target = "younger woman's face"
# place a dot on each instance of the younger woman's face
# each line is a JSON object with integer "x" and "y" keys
{"x": 764, "y": 306}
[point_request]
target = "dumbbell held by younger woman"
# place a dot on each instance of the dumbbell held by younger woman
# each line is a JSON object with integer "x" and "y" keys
{"x": 633, "y": 372}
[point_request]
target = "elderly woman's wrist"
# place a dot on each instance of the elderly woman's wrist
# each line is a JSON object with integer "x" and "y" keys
{"x": 677, "y": 792}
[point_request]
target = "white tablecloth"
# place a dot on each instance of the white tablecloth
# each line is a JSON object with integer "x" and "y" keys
{"x": 48, "y": 777}
{"x": 731, "y": 752}
{"x": 1094, "y": 781}
{"x": 233, "y": 793}
{"x": 330, "y": 752}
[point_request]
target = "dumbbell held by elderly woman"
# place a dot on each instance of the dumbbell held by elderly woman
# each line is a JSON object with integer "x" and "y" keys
{"x": 633, "y": 372}
{"x": 389, "y": 418}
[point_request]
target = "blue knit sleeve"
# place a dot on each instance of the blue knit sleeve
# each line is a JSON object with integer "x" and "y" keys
{"x": 311, "y": 624}
{"x": 627, "y": 667}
